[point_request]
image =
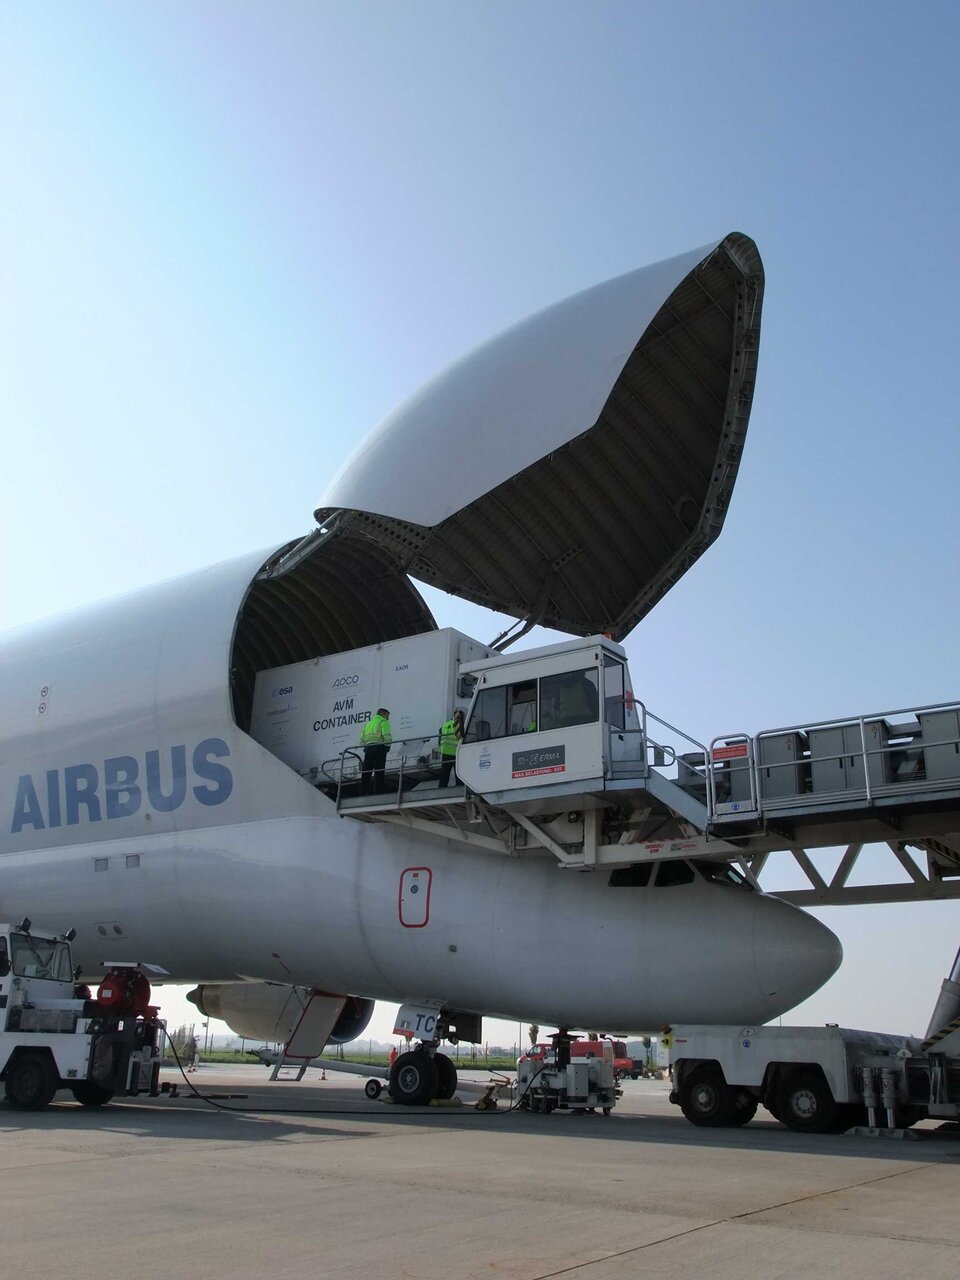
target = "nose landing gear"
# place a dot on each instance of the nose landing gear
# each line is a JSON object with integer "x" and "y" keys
{"x": 423, "y": 1074}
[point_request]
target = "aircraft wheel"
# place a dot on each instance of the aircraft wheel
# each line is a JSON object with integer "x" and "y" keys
{"x": 89, "y": 1094}
{"x": 31, "y": 1082}
{"x": 706, "y": 1099}
{"x": 806, "y": 1105}
{"x": 414, "y": 1078}
{"x": 446, "y": 1076}
{"x": 373, "y": 1089}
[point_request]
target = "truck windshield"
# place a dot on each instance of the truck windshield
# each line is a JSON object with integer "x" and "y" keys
{"x": 40, "y": 958}
{"x": 565, "y": 700}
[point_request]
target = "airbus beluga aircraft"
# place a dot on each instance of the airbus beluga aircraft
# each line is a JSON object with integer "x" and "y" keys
{"x": 566, "y": 473}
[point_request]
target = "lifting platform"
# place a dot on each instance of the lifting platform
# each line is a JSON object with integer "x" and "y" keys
{"x": 633, "y": 788}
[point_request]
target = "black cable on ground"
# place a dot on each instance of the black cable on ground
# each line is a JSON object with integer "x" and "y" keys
{"x": 333, "y": 1111}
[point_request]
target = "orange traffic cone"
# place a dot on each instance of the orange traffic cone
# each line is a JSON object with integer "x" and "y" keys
{"x": 323, "y": 1074}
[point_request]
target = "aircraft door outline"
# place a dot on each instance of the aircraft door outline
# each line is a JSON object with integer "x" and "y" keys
{"x": 413, "y": 902}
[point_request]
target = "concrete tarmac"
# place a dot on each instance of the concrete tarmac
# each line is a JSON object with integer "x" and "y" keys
{"x": 315, "y": 1180}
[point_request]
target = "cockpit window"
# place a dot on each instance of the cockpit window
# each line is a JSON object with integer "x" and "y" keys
{"x": 722, "y": 873}
{"x": 633, "y": 877}
{"x": 673, "y": 873}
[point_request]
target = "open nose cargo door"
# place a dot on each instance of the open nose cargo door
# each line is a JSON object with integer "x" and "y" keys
{"x": 569, "y": 471}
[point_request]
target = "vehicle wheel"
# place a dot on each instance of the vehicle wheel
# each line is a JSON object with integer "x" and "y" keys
{"x": 373, "y": 1089}
{"x": 746, "y": 1108}
{"x": 905, "y": 1116}
{"x": 89, "y": 1094}
{"x": 31, "y": 1082}
{"x": 607, "y": 1110}
{"x": 414, "y": 1078}
{"x": 806, "y": 1105}
{"x": 706, "y": 1099}
{"x": 446, "y": 1076}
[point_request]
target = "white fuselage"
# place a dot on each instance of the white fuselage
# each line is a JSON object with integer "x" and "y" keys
{"x": 136, "y": 811}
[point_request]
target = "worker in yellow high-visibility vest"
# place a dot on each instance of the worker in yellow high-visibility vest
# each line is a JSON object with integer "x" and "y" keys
{"x": 375, "y": 738}
{"x": 451, "y": 735}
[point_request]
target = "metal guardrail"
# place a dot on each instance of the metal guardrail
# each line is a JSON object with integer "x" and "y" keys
{"x": 425, "y": 756}
{"x": 891, "y": 757}
{"x": 651, "y": 752}
{"x": 422, "y": 754}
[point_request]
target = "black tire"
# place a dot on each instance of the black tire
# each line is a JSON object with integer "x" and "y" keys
{"x": 806, "y": 1105}
{"x": 89, "y": 1094}
{"x": 446, "y": 1077}
{"x": 414, "y": 1079}
{"x": 31, "y": 1082}
{"x": 706, "y": 1099}
{"x": 373, "y": 1089}
{"x": 905, "y": 1116}
{"x": 746, "y": 1108}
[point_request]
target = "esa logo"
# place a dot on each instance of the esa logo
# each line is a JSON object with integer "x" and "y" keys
{"x": 283, "y": 691}
{"x": 344, "y": 682}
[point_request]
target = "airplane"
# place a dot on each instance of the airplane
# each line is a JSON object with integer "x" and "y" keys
{"x": 566, "y": 473}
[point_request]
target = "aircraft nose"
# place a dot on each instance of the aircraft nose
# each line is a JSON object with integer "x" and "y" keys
{"x": 794, "y": 954}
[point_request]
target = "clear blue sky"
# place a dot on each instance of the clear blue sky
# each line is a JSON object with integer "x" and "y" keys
{"x": 234, "y": 236}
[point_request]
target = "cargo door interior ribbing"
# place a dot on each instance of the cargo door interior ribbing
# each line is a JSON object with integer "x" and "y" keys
{"x": 344, "y": 595}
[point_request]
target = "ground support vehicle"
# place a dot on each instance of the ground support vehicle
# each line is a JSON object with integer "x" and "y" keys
{"x": 821, "y": 1079}
{"x": 814, "y": 1079}
{"x": 558, "y": 1079}
{"x": 623, "y": 1064}
{"x": 54, "y": 1036}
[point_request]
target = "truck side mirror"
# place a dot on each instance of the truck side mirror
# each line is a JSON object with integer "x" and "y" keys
{"x": 466, "y": 686}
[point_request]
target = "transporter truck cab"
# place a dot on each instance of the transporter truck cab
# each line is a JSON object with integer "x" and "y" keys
{"x": 54, "y": 1036}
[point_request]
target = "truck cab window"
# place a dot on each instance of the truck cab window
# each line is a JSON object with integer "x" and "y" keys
{"x": 613, "y": 703}
{"x": 522, "y": 707}
{"x": 488, "y": 716}
{"x": 4, "y": 958}
{"x": 40, "y": 958}
{"x": 503, "y": 712}
{"x": 569, "y": 699}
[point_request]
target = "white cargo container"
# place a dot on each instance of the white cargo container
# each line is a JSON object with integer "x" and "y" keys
{"x": 309, "y": 712}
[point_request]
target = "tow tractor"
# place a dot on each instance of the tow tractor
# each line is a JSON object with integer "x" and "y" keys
{"x": 550, "y": 1077}
{"x": 54, "y": 1036}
